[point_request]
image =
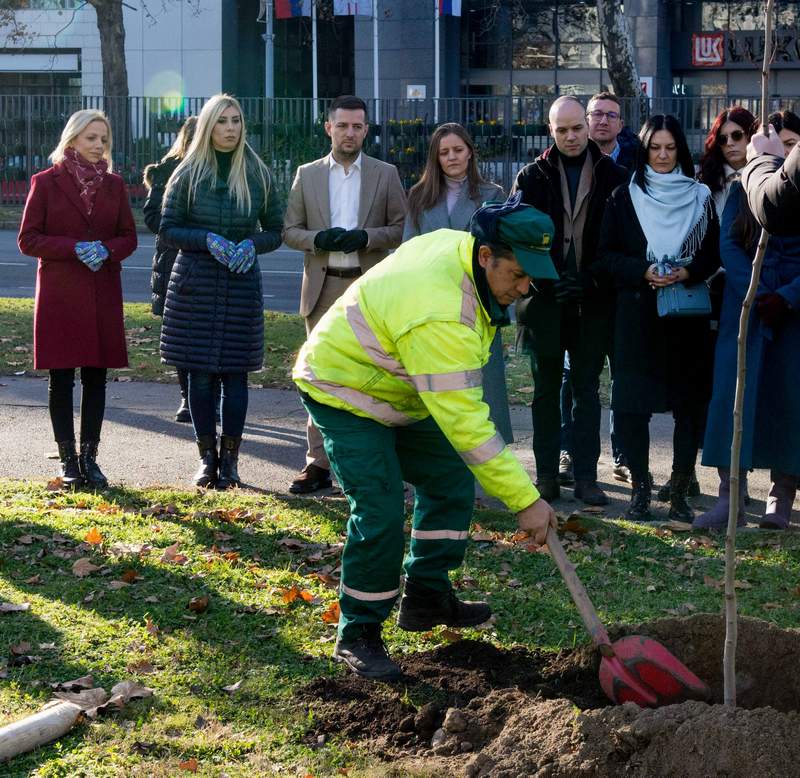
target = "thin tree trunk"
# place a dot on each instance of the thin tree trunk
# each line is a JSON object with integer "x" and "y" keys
{"x": 621, "y": 64}
{"x": 731, "y": 618}
{"x": 111, "y": 27}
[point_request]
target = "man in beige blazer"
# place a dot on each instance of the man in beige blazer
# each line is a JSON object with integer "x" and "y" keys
{"x": 346, "y": 212}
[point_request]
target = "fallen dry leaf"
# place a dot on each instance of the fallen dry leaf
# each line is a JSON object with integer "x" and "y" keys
{"x": 83, "y": 567}
{"x": 55, "y": 484}
{"x": 331, "y": 614}
{"x": 190, "y": 765}
{"x": 234, "y": 687}
{"x": 771, "y": 606}
{"x": 198, "y": 604}
{"x": 676, "y": 526}
{"x": 130, "y": 690}
{"x": 34, "y": 580}
{"x": 10, "y": 607}
{"x": 142, "y": 667}
{"x": 114, "y": 585}
{"x": 291, "y": 543}
{"x": 93, "y": 537}
{"x": 21, "y": 648}
{"x": 451, "y": 636}
{"x": 151, "y": 626}
{"x": 76, "y": 685}
{"x": 86, "y": 699}
{"x": 106, "y": 507}
{"x": 129, "y": 576}
{"x": 172, "y": 556}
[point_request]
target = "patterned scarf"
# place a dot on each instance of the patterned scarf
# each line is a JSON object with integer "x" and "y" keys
{"x": 88, "y": 176}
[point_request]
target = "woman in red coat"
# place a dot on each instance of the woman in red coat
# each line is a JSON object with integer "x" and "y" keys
{"x": 78, "y": 222}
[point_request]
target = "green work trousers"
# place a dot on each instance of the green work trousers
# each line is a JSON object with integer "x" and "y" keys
{"x": 370, "y": 462}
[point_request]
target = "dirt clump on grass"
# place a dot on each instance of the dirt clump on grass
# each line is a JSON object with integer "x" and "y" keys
{"x": 471, "y": 709}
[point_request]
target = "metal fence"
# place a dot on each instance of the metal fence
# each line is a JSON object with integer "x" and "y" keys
{"x": 508, "y": 131}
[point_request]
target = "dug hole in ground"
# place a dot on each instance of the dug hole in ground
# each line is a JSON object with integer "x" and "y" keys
{"x": 515, "y": 714}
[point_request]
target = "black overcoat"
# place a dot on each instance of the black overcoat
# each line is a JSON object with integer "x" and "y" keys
{"x": 155, "y": 178}
{"x": 661, "y": 364}
{"x": 539, "y": 314}
{"x": 213, "y": 318}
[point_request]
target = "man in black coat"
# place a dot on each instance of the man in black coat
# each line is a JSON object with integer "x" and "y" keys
{"x": 570, "y": 182}
{"x": 607, "y": 129}
{"x": 773, "y": 184}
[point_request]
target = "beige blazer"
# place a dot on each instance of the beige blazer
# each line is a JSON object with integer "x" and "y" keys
{"x": 381, "y": 212}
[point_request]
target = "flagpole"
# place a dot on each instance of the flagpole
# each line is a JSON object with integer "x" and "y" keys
{"x": 436, "y": 62}
{"x": 314, "y": 84}
{"x": 269, "y": 49}
{"x": 375, "y": 73}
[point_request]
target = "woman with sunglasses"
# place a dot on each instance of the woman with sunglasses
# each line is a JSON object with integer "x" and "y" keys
{"x": 771, "y": 413}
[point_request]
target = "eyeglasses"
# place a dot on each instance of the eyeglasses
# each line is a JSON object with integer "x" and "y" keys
{"x": 735, "y": 136}
{"x": 610, "y": 115}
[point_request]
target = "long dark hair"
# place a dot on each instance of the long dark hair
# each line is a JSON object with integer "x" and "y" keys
{"x": 712, "y": 160}
{"x": 655, "y": 123}
{"x": 431, "y": 186}
{"x": 785, "y": 120}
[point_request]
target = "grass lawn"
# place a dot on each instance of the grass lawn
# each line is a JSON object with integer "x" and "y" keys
{"x": 268, "y": 568}
{"x": 283, "y": 336}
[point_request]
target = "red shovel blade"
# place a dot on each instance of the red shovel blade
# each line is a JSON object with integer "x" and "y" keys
{"x": 665, "y": 679}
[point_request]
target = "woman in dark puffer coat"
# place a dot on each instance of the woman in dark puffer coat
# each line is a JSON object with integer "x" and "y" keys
{"x": 155, "y": 179}
{"x": 220, "y": 211}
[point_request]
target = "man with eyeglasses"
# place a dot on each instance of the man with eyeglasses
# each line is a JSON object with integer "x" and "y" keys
{"x": 608, "y": 131}
{"x": 570, "y": 182}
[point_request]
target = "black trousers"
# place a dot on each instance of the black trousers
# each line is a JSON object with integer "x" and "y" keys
{"x": 586, "y": 360}
{"x": 203, "y": 402}
{"x": 93, "y": 402}
{"x": 633, "y": 430}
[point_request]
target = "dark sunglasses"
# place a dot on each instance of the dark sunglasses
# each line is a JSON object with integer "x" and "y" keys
{"x": 735, "y": 136}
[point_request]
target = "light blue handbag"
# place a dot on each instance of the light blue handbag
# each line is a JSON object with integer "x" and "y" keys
{"x": 680, "y": 299}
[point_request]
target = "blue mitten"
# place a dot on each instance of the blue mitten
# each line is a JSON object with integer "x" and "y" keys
{"x": 92, "y": 254}
{"x": 221, "y": 248}
{"x": 243, "y": 257}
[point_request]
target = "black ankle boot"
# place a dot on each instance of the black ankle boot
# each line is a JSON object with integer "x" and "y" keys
{"x": 639, "y": 509}
{"x": 679, "y": 508}
{"x": 423, "y": 608}
{"x": 206, "y": 474}
{"x": 70, "y": 466}
{"x": 229, "y": 462}
{"x": 92, "y": 474}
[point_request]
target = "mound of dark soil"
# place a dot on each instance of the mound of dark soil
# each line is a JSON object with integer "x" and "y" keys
{"x": 473, "y": 710}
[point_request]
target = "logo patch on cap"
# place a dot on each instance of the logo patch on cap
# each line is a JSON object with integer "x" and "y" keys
{"x": 545, "y": 238}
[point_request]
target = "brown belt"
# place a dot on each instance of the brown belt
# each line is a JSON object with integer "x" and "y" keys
{"x": 344, "y": 272}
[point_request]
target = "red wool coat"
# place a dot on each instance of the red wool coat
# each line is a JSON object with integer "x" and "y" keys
{"x": 78, "y": 314}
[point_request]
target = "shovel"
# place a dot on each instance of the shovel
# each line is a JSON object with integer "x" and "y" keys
{"x": 634, "y": 668}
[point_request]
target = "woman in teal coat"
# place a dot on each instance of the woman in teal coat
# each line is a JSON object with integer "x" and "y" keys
{"x": 771, "y": 417}
{"x": 450, "y": 190}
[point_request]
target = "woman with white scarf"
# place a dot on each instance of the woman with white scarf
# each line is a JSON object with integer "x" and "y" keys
{"x": 659, "y": 230}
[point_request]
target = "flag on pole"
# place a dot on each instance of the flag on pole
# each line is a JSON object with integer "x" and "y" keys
{"x": 286, "y": 9}
{"x": 352, "y": 8}
{"x": 449, "y": 7}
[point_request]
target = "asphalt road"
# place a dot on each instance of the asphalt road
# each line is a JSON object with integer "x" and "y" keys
{"x": 282, "y": 272}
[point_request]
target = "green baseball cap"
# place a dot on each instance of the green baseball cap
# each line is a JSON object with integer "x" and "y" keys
{"x": 522, "y": 228}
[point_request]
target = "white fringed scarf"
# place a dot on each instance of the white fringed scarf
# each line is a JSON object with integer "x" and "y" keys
{"x": 674, "y": 214}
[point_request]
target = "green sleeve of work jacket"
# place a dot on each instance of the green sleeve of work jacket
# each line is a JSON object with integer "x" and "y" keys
{"x": 443, "y": 359}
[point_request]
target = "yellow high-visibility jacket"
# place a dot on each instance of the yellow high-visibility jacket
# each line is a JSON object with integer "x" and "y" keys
{"x": 407, "y": 341}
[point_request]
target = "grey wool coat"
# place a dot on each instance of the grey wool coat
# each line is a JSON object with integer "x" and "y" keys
{"x": 495, "y": 392}
{"x": 437, "y": 218}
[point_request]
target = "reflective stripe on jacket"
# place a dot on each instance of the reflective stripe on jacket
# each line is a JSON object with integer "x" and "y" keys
{"x": 406, "y": 341}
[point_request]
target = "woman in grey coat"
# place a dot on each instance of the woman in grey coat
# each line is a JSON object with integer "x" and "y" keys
{"x": 450, "y": 191}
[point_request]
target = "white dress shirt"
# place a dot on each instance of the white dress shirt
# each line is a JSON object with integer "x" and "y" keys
{"x": 344, "y": 192}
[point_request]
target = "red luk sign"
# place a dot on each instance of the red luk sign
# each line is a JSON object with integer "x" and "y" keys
{"x": 708, "y": 49}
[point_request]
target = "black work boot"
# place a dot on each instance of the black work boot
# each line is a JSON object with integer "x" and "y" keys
{"x": 70, "y": 467}
{"x": 423, "y": 608}
{"x": 229, "y": 462}
{"x": 679, "y": 508}
{"x": 206, "y": 474}
{"x": 366, "y": 655}
{"x": 92, "y": 474}
{"x": 665, "y": 491}
{"x": 639, "y": 509}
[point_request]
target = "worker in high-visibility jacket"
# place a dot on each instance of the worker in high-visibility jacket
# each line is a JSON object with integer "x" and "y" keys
{"x": 391, "y": 376}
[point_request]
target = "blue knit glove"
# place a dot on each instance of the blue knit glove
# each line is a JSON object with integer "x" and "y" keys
{"x": 92, "y": 254}
{"x": 221, "y": 248}
{"x": 244, "y": 256}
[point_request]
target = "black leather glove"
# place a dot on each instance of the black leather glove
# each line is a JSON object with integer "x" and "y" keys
{"x": 328, "y": 240}
{"x": 353, "y": 240}
{"x": 772, "y": 308}
{"x": 568, "y": 289}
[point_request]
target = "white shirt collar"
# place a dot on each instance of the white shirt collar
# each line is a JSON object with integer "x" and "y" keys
{"x": 332, "y": 163}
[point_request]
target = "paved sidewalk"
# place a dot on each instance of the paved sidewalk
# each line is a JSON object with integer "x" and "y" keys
{"x": 142, "y": 445}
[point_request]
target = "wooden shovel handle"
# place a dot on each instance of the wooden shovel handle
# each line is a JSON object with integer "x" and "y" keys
{"x": 579, "y": 596}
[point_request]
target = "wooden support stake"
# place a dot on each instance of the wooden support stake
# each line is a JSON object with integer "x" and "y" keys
{"x": 731, "y": 619}
{"x": 50, "y": 723}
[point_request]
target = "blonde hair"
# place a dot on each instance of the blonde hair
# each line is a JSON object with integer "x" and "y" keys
{"x": 200, "y": 162}
{"x": 75, "y": 125}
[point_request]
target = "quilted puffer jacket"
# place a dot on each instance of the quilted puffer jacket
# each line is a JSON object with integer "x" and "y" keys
{"x": 213, "y": 318}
